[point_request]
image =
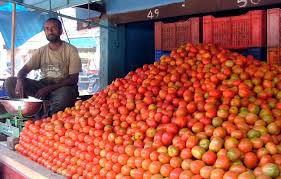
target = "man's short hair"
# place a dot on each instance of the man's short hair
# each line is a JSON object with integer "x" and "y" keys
{"x": 58, "y": 22}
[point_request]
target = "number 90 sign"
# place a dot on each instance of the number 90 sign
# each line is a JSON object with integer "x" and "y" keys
{"x": 244, "y": 3}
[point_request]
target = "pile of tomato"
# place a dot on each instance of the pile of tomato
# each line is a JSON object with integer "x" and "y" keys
{"x": 202, "y": 112}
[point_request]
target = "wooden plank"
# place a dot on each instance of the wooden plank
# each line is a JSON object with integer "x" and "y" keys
{"x": 190, "y": 7}
{"x": 8, "y": 173}
{"x": 24, "y": 166}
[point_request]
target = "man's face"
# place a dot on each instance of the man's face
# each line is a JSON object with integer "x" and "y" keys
{"x": 52, "y": 31}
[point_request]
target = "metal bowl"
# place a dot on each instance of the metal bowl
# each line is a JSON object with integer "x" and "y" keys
{"x": 28, "y": 107}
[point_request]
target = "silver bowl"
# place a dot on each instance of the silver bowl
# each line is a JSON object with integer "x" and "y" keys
{"x": 28, "y": 107}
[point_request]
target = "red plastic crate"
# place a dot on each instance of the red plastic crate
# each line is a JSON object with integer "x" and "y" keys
{"x": 217, "y": 30}
{"x": 165, "y": 36}
{"x": 236, "y": 32}
{"x": 171, "y": 35}
{"x": 187, "y": 31}
{"x": 274, "y": 27}
{"x": 274, "y": 56}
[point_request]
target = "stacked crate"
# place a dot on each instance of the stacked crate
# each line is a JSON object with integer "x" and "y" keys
{"x": 245, "y": 33}
{"x": 256, "y": 33}
{"x": 274, "y": 36}
{"x": 169, "y": 36}
{"x": 236, "y": 32}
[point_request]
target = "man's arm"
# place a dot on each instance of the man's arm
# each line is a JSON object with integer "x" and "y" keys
{"x": 19, "y": 90}
{"x": 23, "y": 72}
{"x": 70, "y": 80}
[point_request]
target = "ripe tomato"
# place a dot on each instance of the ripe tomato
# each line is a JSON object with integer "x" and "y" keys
{"x": 165, "y": 170}
{"x": 209, "y": 157}
{"x": 196, "y": 165}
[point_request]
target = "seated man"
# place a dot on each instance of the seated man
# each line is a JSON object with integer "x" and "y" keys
{"x": 60, "y": 65}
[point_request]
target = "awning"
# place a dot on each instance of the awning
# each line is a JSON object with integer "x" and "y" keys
{"x": 7, "y": 7}
{"x": 28, "y": 23}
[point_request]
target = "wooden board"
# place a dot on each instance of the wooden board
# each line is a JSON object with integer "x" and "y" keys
{"x": 190, "y": 7}
{"x": 23, "y": 167}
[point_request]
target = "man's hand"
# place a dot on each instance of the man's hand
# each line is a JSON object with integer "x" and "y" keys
{"x": 19, "y": 88}
{"x": 68, "y": 81}
{"x": 43, "y": 92}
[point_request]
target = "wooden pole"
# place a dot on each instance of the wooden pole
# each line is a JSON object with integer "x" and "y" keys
{"x": 13, "y": 38}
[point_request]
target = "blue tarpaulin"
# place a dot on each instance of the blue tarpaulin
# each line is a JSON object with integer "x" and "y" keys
{"x": 8, "y": 7}
{"x": 28, "y": 23}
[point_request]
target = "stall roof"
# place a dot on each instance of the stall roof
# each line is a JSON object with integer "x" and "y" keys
{"x": 193, "y": 8}
{"x": 56, "y": 4}
{"x": 112, "y": 6}
{"x": 26, "y": 29}
{"x": 122, "y": 6}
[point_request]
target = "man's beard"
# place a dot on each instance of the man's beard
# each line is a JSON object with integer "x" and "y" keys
{"x": 53, "y": 38}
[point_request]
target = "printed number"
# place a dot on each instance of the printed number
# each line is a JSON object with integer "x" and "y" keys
{"x": 255, "y": 1}
{"x": 153, "y": 14}
{"x": 244, "y": 3}
{"x": 150, "y": 15}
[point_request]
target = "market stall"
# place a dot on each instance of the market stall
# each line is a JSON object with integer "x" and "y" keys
{"x": 209, "y": 110}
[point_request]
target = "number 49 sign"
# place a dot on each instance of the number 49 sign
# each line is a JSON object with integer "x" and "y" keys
{"x": 153, "y": 13}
